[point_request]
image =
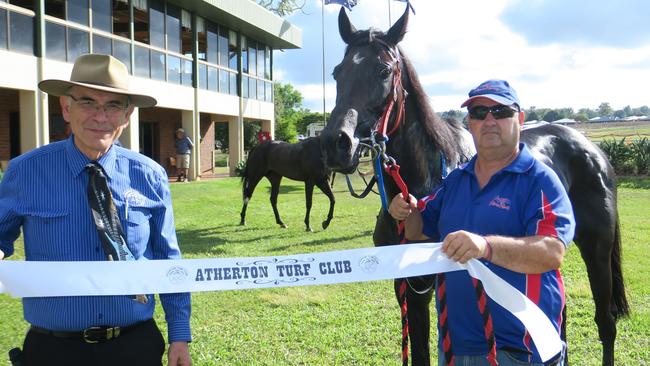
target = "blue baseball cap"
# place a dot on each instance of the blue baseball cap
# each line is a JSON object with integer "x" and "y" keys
{"x": 497, "y": 90}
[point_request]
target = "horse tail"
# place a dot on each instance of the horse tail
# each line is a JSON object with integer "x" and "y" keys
{"x": 621, "y": 307}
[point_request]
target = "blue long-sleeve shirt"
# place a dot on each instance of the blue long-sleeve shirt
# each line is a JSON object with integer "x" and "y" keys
{"x": 45, "y": 192}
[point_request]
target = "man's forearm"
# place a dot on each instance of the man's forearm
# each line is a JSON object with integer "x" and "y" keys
{"x": 532, "y": 254}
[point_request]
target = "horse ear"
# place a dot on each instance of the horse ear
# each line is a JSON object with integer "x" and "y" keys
{"x": 346, "y": 29}
{"x": 398, "y": 30}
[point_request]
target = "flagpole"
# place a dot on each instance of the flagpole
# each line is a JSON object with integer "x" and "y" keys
{"x": 322, "y": 22}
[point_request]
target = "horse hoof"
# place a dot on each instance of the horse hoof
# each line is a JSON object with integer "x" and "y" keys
{"x": 309, "y": 230}
{"x": 284, "y": 226}
{"x": 325, "y": 224}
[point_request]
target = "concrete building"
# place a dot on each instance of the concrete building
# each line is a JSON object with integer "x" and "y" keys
{"x": 205, "y": 61}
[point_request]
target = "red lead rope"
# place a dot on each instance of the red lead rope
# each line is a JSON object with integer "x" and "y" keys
{"x": 393, "y": 171}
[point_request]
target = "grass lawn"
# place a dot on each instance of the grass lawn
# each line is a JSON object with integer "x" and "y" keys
{"x": 351, "y": 324}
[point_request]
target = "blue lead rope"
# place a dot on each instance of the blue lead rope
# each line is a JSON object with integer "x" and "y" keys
{"x": 380, "y": 183}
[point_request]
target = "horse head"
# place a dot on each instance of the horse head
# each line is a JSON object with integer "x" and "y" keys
{"x": 366, "y": 79}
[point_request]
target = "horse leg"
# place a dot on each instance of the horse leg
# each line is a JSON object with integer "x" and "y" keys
{"x": 248, "y": 187}
{"x": 309, "y": 191}
{"x": 417, "y": 301}
{"x": 325, "y": 188}
{"x": 275, "y": 180}
{"x": 596, "y": 252}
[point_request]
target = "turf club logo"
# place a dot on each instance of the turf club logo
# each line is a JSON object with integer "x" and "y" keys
{"x": 177, "y": 275}
{"x": 369, "y": 263}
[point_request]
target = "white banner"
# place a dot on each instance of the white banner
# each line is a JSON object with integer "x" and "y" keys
{"x": 39, "y": 279}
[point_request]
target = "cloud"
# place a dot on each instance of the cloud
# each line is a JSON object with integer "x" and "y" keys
{"x": 455, "y": 45}
{"x": 613, "y": 23}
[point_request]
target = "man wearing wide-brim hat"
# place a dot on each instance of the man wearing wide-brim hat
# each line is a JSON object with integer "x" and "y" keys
{"x": 55, "y": 194}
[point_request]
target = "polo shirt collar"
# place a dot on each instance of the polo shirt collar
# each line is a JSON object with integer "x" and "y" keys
{"x": 77, "y": 161}
{"x": 522, "y": 163}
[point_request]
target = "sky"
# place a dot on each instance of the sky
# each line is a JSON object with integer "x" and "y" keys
{"x": 555, "y": 53}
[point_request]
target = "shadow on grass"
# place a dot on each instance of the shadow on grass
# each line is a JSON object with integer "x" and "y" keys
{"x": 320, "y": 242}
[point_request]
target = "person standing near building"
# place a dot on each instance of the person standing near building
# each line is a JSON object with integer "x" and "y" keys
{"x": 508, "y": 210}
{"x": 183, "y": 151}
{"x": 86, "y": 199}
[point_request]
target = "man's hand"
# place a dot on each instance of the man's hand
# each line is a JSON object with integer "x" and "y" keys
{"x": 400, "y": 209}
{"x": 2, "y": 255}
{"x": 179, "y": 354}
{"x": 461, "y": 246}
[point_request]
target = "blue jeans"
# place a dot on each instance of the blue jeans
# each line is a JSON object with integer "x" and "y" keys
{"x": 504, "y": 358}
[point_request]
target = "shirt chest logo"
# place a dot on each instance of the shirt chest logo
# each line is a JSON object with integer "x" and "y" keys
{"x": 500, "y": 202}
{"x": 133, "y": 197}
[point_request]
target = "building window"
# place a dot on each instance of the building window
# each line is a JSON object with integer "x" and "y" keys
{"x": 252, "y": 58}
{"x": 3, "y": 28}
{"x": 267, "y": 63}
{"x": 173, "y": 69}
{"x": 121, "y": 25}
{"x": 21, "y": 29}
{"x": 232, "y": 50}
{"x": 269, "y": 91}
{"x": 78, "y": 11}
{"x": 201, "y": 39}
{"x": 260, "y": 89}
{"x": 186, "y": 33}
{"x": 77, "y": 43}
{"x": 173, "y": 28}
{"x": 55, "y": 8}
{"x": 223, "y": 46}
{"x": 102, "y": 45}
{"x": 203, "y": 76}
{"x": 102, "y": 18}
{"x": 260, "y": 60}
{"x": 27, "y": 4}
{"x": 122, "y": 52}
{"x": 244, "y": 55}
{"x": 223, "y": 81}
{"x": 55, "y": 47}
{"x": 213, "y": 78}
{"x": 187, "y": 73}
{"x": 233, "y": 83}
{"x": 141, "y": 62}
{"x": 140, "y": 21}
{"x": 158, "y": 65}
{"x": 244, "y": 92}
{"x": 214, "y": 44}
{"x": 157, "y": 23}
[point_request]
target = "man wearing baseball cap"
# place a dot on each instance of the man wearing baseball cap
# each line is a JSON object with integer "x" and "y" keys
{"x": 511, "y": 212}
{"x": 86, "y": 199}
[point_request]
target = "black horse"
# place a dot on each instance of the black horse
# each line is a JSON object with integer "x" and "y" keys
{"x": 375, "y": 74}
{"x": 276, "y": 159}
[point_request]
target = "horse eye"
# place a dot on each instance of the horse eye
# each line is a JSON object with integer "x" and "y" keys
{"x": 385, "y": 73}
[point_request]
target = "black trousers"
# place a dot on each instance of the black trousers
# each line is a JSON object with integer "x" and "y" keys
{"x": 143, "y": 345}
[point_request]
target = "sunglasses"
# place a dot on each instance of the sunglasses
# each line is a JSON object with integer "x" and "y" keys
{"x": 498, "y": 111}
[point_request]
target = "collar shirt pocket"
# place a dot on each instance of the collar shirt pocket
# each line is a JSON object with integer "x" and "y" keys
{"x": 46, "y": 231}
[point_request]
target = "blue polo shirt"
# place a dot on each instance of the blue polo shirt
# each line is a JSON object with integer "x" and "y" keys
{"x": 524, "y": 199}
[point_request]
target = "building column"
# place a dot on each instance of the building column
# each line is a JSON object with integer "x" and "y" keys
{"x": 268, "y": 127}
{"x": 34, "y": 127}
{"x": 190, "y": 125}
{"x": 130, "y": 137}
{"x": 235, "y": 142}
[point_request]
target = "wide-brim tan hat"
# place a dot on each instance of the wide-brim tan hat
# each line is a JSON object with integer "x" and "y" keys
{"x": 99, "y": 72}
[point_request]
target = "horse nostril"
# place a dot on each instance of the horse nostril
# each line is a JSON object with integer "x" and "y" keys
{"x": 343, "y": 142}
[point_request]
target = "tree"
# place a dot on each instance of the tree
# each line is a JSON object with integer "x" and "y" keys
{"x": 287, "y": 103}
{"x": 531, "y": 114}
{"x": 551, "y": 115}
{"x": 605, "y": 110}
{"x": 282, "y": 7}
{"x": 309, "y": 118}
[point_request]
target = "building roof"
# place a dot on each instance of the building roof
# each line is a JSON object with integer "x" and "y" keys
{"x": 249, "y": 18}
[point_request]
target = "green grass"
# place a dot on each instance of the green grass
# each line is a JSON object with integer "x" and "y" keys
{"x": 352, "y": 324}
{"x": 615, "y": 130}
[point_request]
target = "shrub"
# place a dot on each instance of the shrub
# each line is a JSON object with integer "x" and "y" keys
{"x": 640, "y": 151}
{"x": 239, "y": 169}
{"x": 619, "y": 154}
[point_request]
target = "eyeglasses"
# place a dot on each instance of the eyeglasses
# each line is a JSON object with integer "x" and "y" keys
{"x": 498, "y": 111}
{"x": 112, "y": 109}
